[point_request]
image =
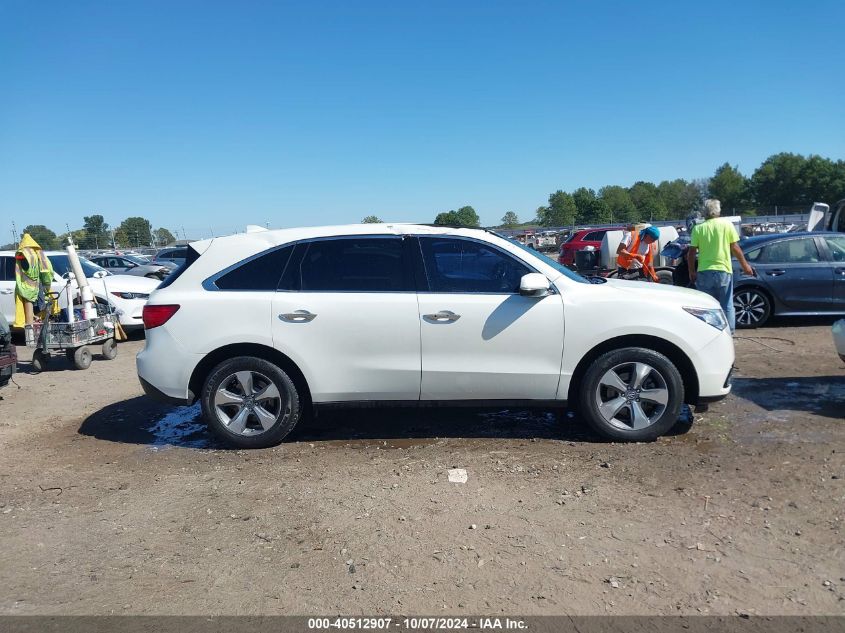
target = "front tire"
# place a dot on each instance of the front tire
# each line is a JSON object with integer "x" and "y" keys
{"x": 249, "y": 402}
{"x": 752, "y": 307}
{"x": 632, "y": 394}
{"x": 82, "y": 358}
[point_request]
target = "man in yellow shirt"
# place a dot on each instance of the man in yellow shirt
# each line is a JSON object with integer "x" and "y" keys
{"x": 715, "y": 241}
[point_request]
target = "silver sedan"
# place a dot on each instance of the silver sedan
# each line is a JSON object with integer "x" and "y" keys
{"x": 130, "y": 265}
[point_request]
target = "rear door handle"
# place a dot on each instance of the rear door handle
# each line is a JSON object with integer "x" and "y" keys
{"x": 443, "y": 315}
{"x": 298, "y": 316}
{"x": 776, "y": 272}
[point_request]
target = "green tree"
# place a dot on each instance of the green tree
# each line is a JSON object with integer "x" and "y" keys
{"x": 646, "y": 199}
{"x": 591, "y": 209}
{"x": 787, "y": 179}
{"x": 465, "y": 216}
{"x": 80, "y": 238}
{"x": 163, "y": 237}
{"x": 680, "y": 197}
{"x": 619, "y": 204}
{"x": 372, "y": 219}
{"x": 45, "y": 237}
{"x": 560, "y": 212}
{"x": 510, "y": 220}
{"x": 135, "y": 231}
{"x": 97, "y": 232}
{"x": 778, "y": 180}
{"x": 730, "y": 187}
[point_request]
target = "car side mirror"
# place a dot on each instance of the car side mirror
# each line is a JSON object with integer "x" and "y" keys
{"x": 99, "y": 274}
{"x": 534, "y": 285}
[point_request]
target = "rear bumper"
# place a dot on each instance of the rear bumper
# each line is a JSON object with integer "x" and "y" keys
{"x": 157, "y": 394}
{"x": 8, "y": 367}
{"x": 165, "y": 368}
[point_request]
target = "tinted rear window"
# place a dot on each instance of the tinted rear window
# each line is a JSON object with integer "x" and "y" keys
{"x": 191, "y": 257}
{"x": 260, "y": 273}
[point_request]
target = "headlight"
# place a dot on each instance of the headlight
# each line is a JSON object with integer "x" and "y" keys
{"x": 711, "y": 316}
{"x": 131, "y": 295}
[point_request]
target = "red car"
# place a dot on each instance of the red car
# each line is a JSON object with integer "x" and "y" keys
{"x": 580, "y": 240}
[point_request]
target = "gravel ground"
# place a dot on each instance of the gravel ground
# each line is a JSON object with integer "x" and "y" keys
{"x": 113, "y": 504}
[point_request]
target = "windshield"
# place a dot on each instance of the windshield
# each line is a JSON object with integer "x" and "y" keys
{"x": 135, "y": 259}
{"x": 547, "y": 260}
{"x": 61, "y": 265}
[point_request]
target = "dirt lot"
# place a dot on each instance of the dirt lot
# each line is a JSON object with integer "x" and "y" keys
{"x": 112, "y": 504}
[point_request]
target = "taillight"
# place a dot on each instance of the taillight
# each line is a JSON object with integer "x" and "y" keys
{"x": 158, "y": 315}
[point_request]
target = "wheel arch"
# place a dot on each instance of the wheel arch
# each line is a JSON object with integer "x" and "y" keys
{"x": 270, "y": 354}
{"x": 674, "y": 353}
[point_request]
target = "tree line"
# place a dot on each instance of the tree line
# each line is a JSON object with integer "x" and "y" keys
{"x": 133, "y": 232}
{"x": 783, "y": 179}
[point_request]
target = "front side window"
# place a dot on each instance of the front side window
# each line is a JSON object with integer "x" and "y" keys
{"x": 837, "y": 248}
{"x": 353, "y": 264}
{"x": 466, "y": 266}
{"x": 801, "y": 251}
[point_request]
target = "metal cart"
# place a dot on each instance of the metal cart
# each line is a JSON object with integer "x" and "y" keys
{"x": 71, "y": 339}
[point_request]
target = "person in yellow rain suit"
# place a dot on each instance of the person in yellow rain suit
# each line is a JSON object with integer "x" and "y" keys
{"x": 32, "y": 270}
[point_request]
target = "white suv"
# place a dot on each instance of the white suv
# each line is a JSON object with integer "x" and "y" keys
{"x": 261, "y": 327}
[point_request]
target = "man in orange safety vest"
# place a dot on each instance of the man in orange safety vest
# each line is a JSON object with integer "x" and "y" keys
{"x": 634, "y": 257}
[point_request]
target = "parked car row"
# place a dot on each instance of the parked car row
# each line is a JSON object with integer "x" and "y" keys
{"x": 125, "y": 293}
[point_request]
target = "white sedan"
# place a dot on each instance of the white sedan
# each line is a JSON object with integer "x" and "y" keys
{"x": 127, "y": 294}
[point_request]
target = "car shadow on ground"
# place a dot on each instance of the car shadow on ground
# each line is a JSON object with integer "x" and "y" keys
{"x": 143, "y": 421}
{"x": 822, "y": 395}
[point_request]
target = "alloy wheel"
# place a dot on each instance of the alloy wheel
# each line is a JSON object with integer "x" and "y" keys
{"x": 750, "y": 307}
{"x": 632, "y": 396}
{"x": 249, "y": 403}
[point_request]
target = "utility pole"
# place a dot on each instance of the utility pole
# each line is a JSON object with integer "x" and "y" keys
{"x": 15, "y": 237}
{"x": 184, "y": 237}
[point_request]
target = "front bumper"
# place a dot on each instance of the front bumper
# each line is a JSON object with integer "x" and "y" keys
{"x": 714, "y": 365}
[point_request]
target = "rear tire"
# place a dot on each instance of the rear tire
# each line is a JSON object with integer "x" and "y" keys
{"x": 632, "y": 394}
{"x": 665, "y": 277}
{"x": 249, "y": 402}
{"x": 39, "y": 361}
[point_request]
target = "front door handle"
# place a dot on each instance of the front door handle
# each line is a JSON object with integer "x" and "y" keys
{"x": 299, "y": 316}
{"x": 777, "y": 272}
{"x": 443, "y": 315}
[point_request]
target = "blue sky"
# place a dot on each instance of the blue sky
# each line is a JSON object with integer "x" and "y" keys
{"x": 212, "y": 115}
